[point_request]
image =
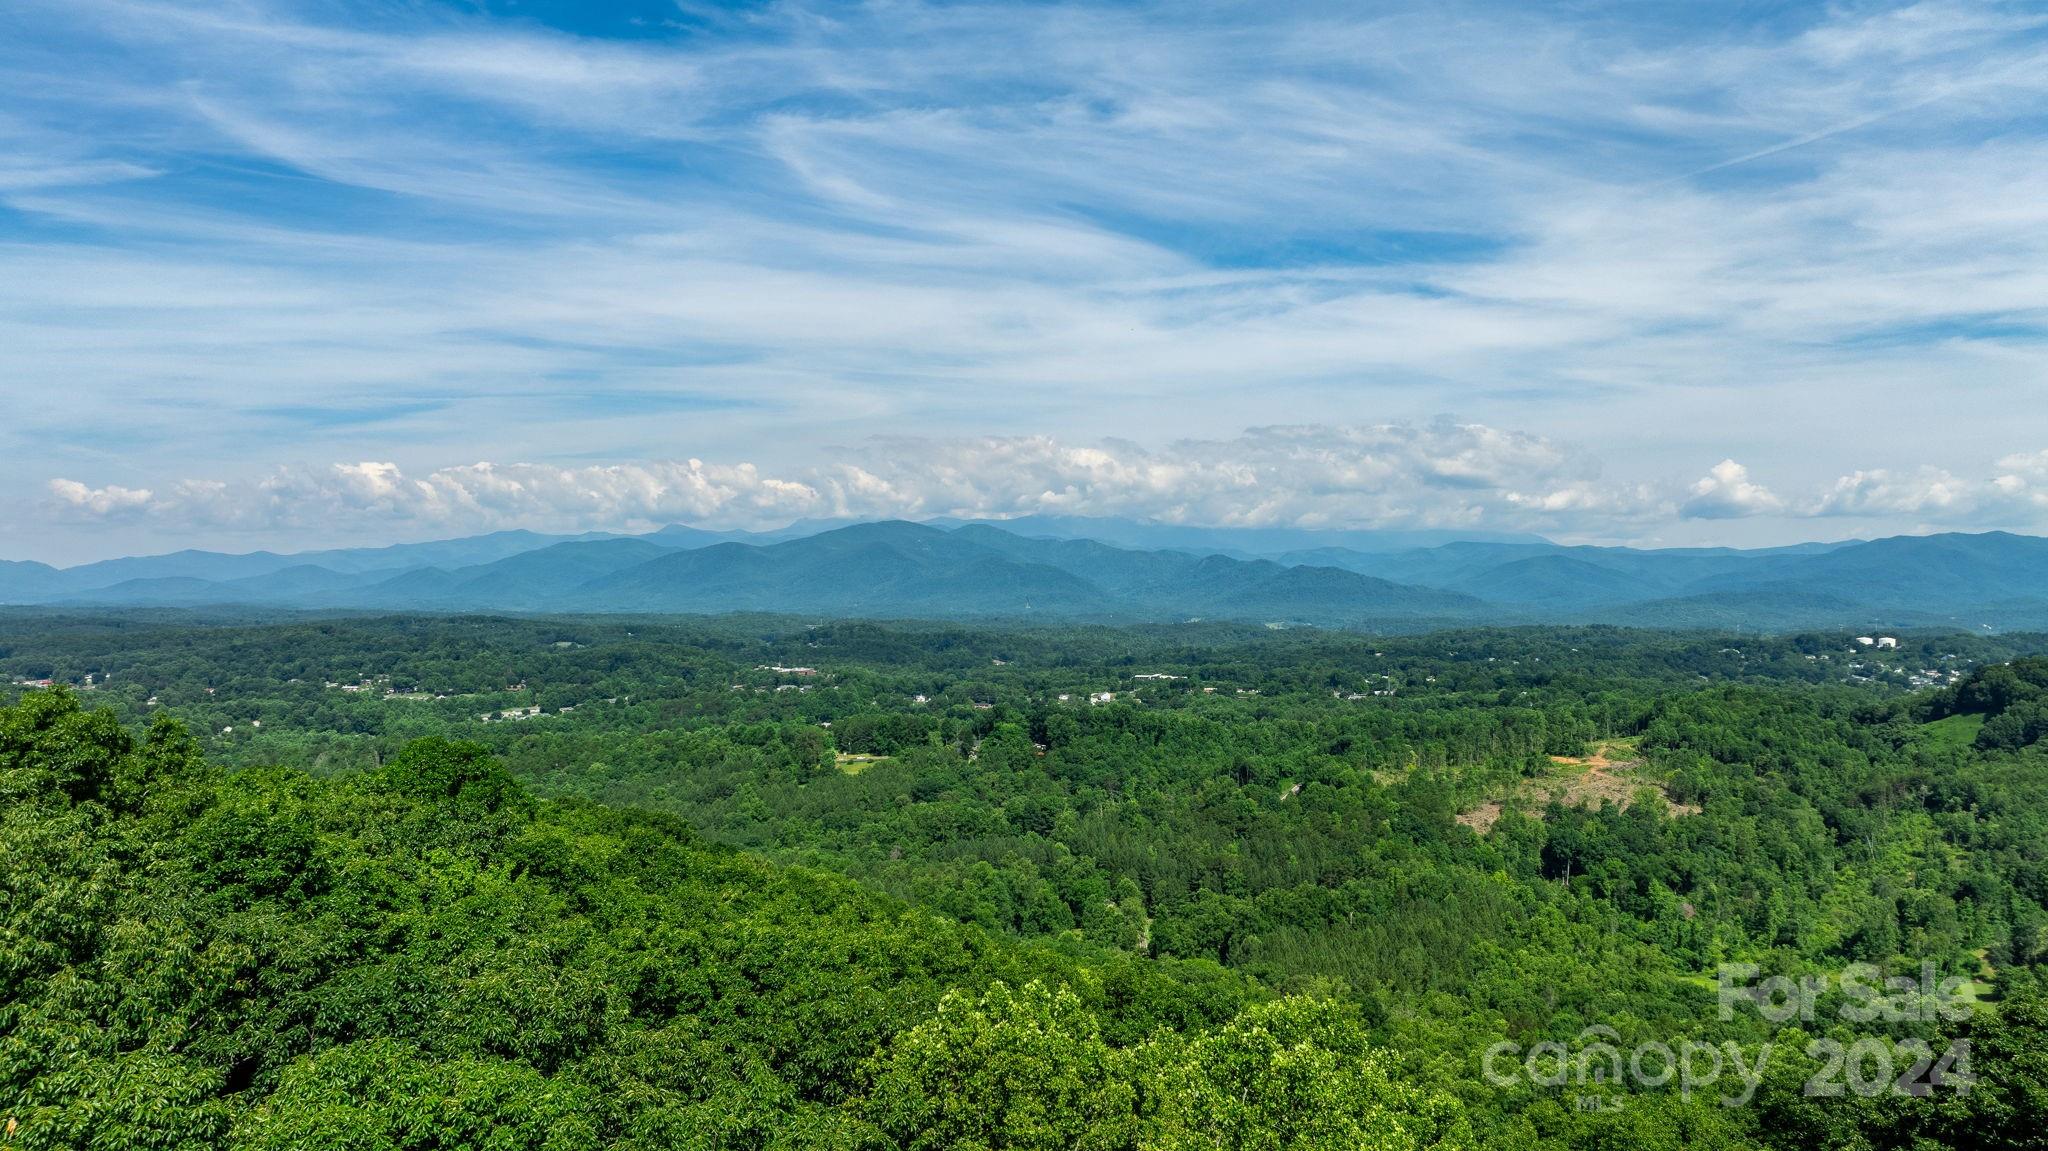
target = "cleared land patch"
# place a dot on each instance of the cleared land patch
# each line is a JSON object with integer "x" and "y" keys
{"x": 853, "y": 763}
{"x": 1611, "y": 774}
{"x": 1955, "y": 733}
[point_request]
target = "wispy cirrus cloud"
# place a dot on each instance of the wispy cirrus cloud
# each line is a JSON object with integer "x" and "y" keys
{"x": 1667, "y": 236}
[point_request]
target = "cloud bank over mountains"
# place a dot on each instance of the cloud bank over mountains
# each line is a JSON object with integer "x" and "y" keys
{"x": 1441, "y": 475}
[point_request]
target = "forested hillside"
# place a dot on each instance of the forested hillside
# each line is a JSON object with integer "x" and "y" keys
{"x": 425, "y": 956}
{"x": 761, "y": 883}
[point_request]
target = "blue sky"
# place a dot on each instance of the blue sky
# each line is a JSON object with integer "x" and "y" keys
{"x": 297, "y": 273}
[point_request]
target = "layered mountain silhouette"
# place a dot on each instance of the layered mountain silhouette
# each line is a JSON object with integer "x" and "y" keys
{"x": 1049, "y": 569}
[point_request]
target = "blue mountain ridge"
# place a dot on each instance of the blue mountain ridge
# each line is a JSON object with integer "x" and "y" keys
{"x": 985, "y": 569}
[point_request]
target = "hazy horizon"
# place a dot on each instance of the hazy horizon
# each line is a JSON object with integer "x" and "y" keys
{"x": 799, "y": 528}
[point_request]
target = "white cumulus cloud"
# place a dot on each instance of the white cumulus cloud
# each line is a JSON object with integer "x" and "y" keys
{"x": 1441, "y": 474}
{"x": 75, "y": 499}
{"x": 1929, "y": 491}
{"x": 1727, "y": 492}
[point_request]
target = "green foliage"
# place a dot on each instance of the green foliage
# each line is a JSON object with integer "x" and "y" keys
{"x": 2010, "y": 698}
{"x": 1008, "y": 1071}
{"x": 1248, "y": 907}
{"x": 425, "y": 957}
{"x": 2011, "y": 1054}
{"x": 384, "y": 1095}
{"x": 1297, "y": 1074}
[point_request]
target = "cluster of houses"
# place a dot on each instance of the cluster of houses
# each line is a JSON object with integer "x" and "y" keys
{"x": 778, "y": 669}
{"x": 1140, "y": 679}
{"x": 381, "y": 685}
{"x": 91, "y": 682}
{"x": 512, "y": 713}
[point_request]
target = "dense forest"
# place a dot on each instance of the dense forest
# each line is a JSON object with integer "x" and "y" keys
{"x": 438, "y": 882}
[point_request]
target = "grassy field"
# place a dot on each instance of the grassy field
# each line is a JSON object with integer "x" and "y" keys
{"x": 1957, "y": 731}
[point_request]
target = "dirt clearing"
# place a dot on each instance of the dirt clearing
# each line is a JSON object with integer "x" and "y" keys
{"x": 1611, "y": 774}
